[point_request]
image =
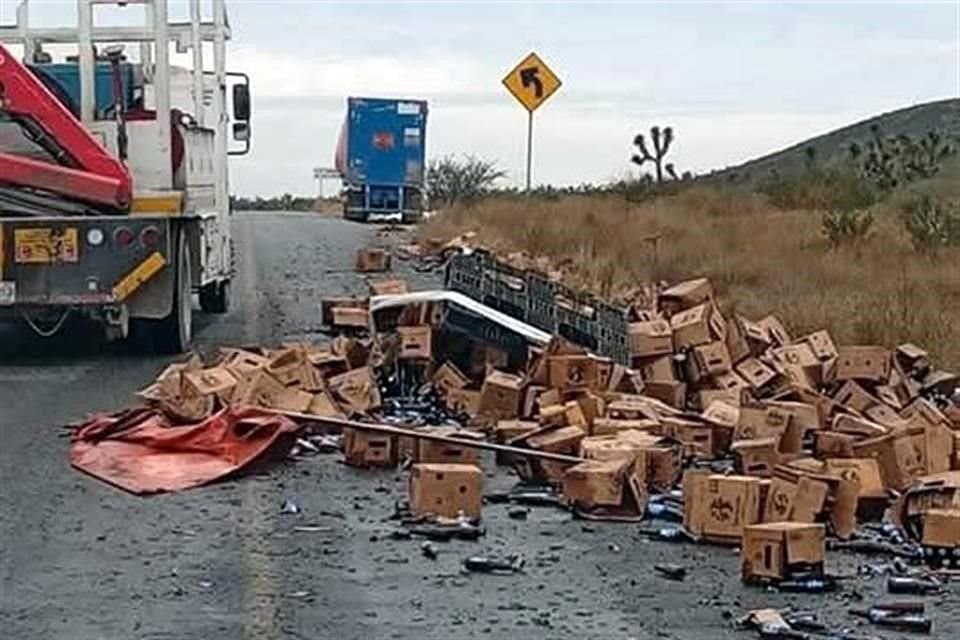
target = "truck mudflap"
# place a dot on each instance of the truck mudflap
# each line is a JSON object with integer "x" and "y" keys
{"x": 87, "y": 262}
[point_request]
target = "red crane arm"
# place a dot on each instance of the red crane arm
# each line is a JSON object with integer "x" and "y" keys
{"x": 93, "y": 174}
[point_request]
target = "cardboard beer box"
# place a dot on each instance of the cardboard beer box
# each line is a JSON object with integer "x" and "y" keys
{"x": 293, "y": 369}
{"x": 801, "y": 357}
{"x": 448, "y": 377}
{"x": 416, "y": 343}
{"x": 706, "y": 360}
{"x": 432, "y": 451}
{"x": 684, "y": 295}
{"x": 896, "y": 456}
{"x": 574, "y": 372}
{"x": 853, "y": 396}
{"x": 388, "y": 287}
{"x": 717, "y": 507}
{"x": 357, "y": 389}
{"x": 830, "y": 444}
{"x": 561, "y": 440}
{"x": 631, "y": 409}
{"x": 350, "y": 317}
{"x": 507, "y": 430}
{"x": 323, "y": 405}
{"x": 446, "y": 490}
{"x": 501, "y": 395}
{"x": 780, "y": 550}
{"x": 613, "y": 426}
{"x": 241, "y": 362}
{"x": 864, "y": 471}
{"x": 464, "y": 401}
{"x": 860, "y": 427}
{"x": 372, "y": 260}
{"x": 696, "y": 437}
{"x": 554, "y": 415}
{"x": 263, "y": 390}
{"x": 367, "y": 449}
{"x": 886, "y": 416}
{"x": 652, "y": 338}
{"x": 941, "y": 528}
{"x": 768, "y": 421}
{"x": 592, "y": 406}
{"x": 673, "y": 394}
{"x": 658, "y": 369}
{"x": 327, "y": 306}
{"x": 870, "y": 363}
{"x": 212, "y": 381}
{"x": 615, "y": 448}
{"x": 775, "y": 329}
{"x": 594, "y": 483}
{"x": 756, "y": 374}
{"x": 757, "y": 336}
{"x": 699, "y": 325}
{"x": 736, "y": 339}
{"x": 805, "y": 416}
{"x": 821, "y": 344}
{"x": 756, "y": 457}
{"x": 731, "y": 397}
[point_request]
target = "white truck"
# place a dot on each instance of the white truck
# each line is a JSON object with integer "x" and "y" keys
{"x": 114, "y": 199}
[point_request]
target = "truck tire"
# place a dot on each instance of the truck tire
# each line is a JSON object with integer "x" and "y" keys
{"x": 215, "y": 297}
{"x": 174, "y": 333}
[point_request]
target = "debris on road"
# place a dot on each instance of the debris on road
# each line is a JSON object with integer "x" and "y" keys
{"x": 487, "y": 564}
{"x": 730, "y": 428}
{"x": 902, "y": 616}
{"x": 671, "y": 571}
{"x": 372, "y": 260}
{"x": 143, "y": 452}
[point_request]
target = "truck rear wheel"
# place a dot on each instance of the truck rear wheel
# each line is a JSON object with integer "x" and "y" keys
{"x": 174, "y": 333}
{"x": 215, "y": 297}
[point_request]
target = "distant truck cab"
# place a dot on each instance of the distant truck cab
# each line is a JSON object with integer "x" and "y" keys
{"x": 380, "y": 156}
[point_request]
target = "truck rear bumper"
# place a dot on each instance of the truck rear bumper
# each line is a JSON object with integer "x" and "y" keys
{"x": 81, "y": 261}
{"x": 364, "y": 201}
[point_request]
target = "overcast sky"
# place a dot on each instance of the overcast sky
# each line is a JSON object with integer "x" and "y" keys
{"x": 735, "y": 80}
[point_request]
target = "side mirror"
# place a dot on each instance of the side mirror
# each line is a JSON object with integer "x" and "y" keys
{"x": 241, "y": 103}
{"x": 241, "y": 131}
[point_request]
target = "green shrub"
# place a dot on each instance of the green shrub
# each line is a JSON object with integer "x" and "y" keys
{"x": 818, "y": 189}
{"x": 846, "y": 226}
{"x": 451, "y": 180}
{"x": 931, "y": 223}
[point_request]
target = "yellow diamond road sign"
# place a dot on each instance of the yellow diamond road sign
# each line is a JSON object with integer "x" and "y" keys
{"x": 531, "y": 82}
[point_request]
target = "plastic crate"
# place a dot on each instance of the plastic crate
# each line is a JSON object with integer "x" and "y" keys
{"x": 548, "y": 305}
{"x": 505, "y": 289}
{"x": 541, "y": 310}
{"x": 465, "y": 274}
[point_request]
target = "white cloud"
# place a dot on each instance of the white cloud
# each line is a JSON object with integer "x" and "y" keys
{"x": 277, "y": 73}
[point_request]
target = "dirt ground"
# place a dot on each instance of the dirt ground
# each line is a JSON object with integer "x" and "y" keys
{"x": 80, "y": 560}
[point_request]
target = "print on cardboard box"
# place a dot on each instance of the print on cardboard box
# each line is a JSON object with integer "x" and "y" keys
{"x": 572, "y": 372}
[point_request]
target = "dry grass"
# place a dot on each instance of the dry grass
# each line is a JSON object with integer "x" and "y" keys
{"x": 760, "y": 260}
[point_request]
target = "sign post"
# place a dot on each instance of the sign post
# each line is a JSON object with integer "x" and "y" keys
{"x": 531, "y": 82}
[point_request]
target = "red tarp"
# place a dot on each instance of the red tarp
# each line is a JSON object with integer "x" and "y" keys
{"x": 142, "y": 452}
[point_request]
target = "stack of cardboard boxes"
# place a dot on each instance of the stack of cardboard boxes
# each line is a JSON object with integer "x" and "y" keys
{"x": 820, "y": 436}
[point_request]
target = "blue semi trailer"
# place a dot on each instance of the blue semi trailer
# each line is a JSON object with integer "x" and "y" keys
{"x": 380, "y": 156}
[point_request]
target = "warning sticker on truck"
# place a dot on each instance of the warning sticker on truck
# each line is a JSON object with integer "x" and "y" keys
{"x": 43, "y": 245}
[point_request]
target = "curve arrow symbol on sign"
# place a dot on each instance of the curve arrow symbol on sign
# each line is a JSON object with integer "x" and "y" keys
{"x": 528, "y": 76}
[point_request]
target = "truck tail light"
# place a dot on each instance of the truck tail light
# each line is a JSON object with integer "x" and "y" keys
{"x": 149, "y": 237}
{"x": 123, "y": 237}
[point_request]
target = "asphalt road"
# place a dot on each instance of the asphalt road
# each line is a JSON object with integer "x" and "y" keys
{"x": 80, "y": 560}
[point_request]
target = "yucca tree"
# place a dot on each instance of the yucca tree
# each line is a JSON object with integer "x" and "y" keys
{"x": 661, "y": 141}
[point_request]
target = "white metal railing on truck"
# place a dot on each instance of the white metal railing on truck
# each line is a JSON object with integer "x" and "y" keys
{"x": 154, "y": 37}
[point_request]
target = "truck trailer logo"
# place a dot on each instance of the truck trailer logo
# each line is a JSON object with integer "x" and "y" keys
{"x": 383, "y": 141}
